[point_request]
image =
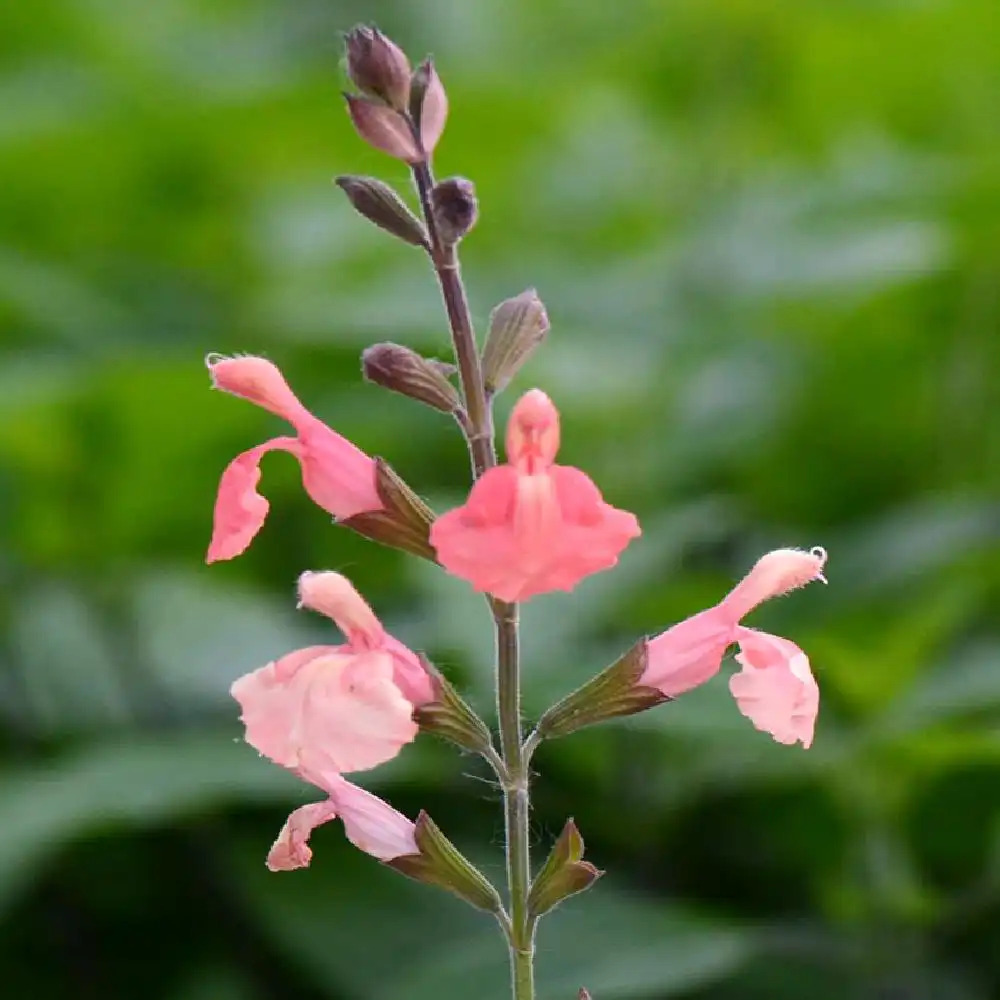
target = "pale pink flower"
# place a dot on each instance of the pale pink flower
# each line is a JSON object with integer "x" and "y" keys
{"x": 775, "y": 689}
{"x": 339, "y": 477}
{"x": 531, "y": 526}
{"x": 335, "y": 708}
{"x": 370, "y": 824}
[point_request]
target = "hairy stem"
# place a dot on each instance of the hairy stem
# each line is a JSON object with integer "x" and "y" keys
{"x": 514, "y": 774}
{"x": 516, "y": 796}
{"x": 445, "y": 260}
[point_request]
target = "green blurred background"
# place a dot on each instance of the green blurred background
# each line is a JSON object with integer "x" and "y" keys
{"x": 768, "y": 237}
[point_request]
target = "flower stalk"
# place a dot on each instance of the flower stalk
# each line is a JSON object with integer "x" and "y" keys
{"x": 517, "y": 800}
{"x": 514, "y": 777}
{"x": 444, "y": 257}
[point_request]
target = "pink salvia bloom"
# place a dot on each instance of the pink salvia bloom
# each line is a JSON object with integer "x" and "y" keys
{"x": 775, "y": 689}
{"x": 335, "y": 708}
{"x": 370, "y": 824}
{"x": 531, "y": 526}
{"x": 339, "y": 477}
{"x": 333, "y": 595}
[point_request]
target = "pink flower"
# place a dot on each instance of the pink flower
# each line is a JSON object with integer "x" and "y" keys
{"x": 335, "y": 708}
{"x": 370, "y": 824}
{"x": 335, "y": 474}
{"x": 775, "y": 689}
{"x": 531, "y": 526}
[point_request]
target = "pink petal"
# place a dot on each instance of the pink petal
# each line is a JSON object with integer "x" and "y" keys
{"x": 775, "y": 689}
{"x": 336, "y": 711}
{"x": 774, "y": 574}
{"x": 333, "y": 595}
{"x": 688, "y": 654}
{"x": 408, "y": 673}
{"x": 291, "y": 850}
{"x": 257, "y": 380}
{"x": 338, "y": 477}
{"x": 491, "y": 500}
{"x": 370, "y": 823}
{"x": 533, "y": 433}
{"x": 520, "y": 535}
{"x": 270, "y": 698}
{"x": 240, "y": 511}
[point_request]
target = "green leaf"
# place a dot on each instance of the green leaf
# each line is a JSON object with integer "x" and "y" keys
{"x": 126, "y": 782}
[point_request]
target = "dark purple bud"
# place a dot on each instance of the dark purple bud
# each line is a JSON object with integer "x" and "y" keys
{"x": 454, "y": 207}
{"x": 428, "y": 105}
{"x": 378, "y": 67}
{"x": 383, "y": 128}
{"x": 395, "y": 367}
{"x": 378, "y": 203}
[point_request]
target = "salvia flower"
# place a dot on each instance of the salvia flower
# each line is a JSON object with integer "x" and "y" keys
{"x": 775, "y": 688}
{"x": 531, "y": 526}
{"x": 341, "y": 708}
{"x": 370, "y": 823}
{"x": 339, "y": 477}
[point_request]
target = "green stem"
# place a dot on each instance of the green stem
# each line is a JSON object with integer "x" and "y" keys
{"x": 513, "y": 772}
{"x": 516, "y": 797}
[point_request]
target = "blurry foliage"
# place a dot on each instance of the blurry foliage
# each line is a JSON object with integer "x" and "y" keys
{"x": 768, "y": 237}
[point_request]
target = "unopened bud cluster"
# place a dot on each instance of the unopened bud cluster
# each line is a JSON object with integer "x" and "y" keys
{"x": 400, "y": 112}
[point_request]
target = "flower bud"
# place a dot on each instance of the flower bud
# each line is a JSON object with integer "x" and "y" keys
{"x": 395, "y": 367}
{"x": 454, "y": 208}
{"x": 405, "y": 520}
{"x": 440, "y": 863}
{"x": 378, "y": 203}
{"x": 449, "y": 716}
{"x": 517, "y": 327}
{"x": 428, "y": 105}
{"x": 583, "y": 994}
{"x": 614, "y": 692}
{"x": 382, "y": 127}
{"x": 564, "y": 873}
{"x": 377, "y": 66}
